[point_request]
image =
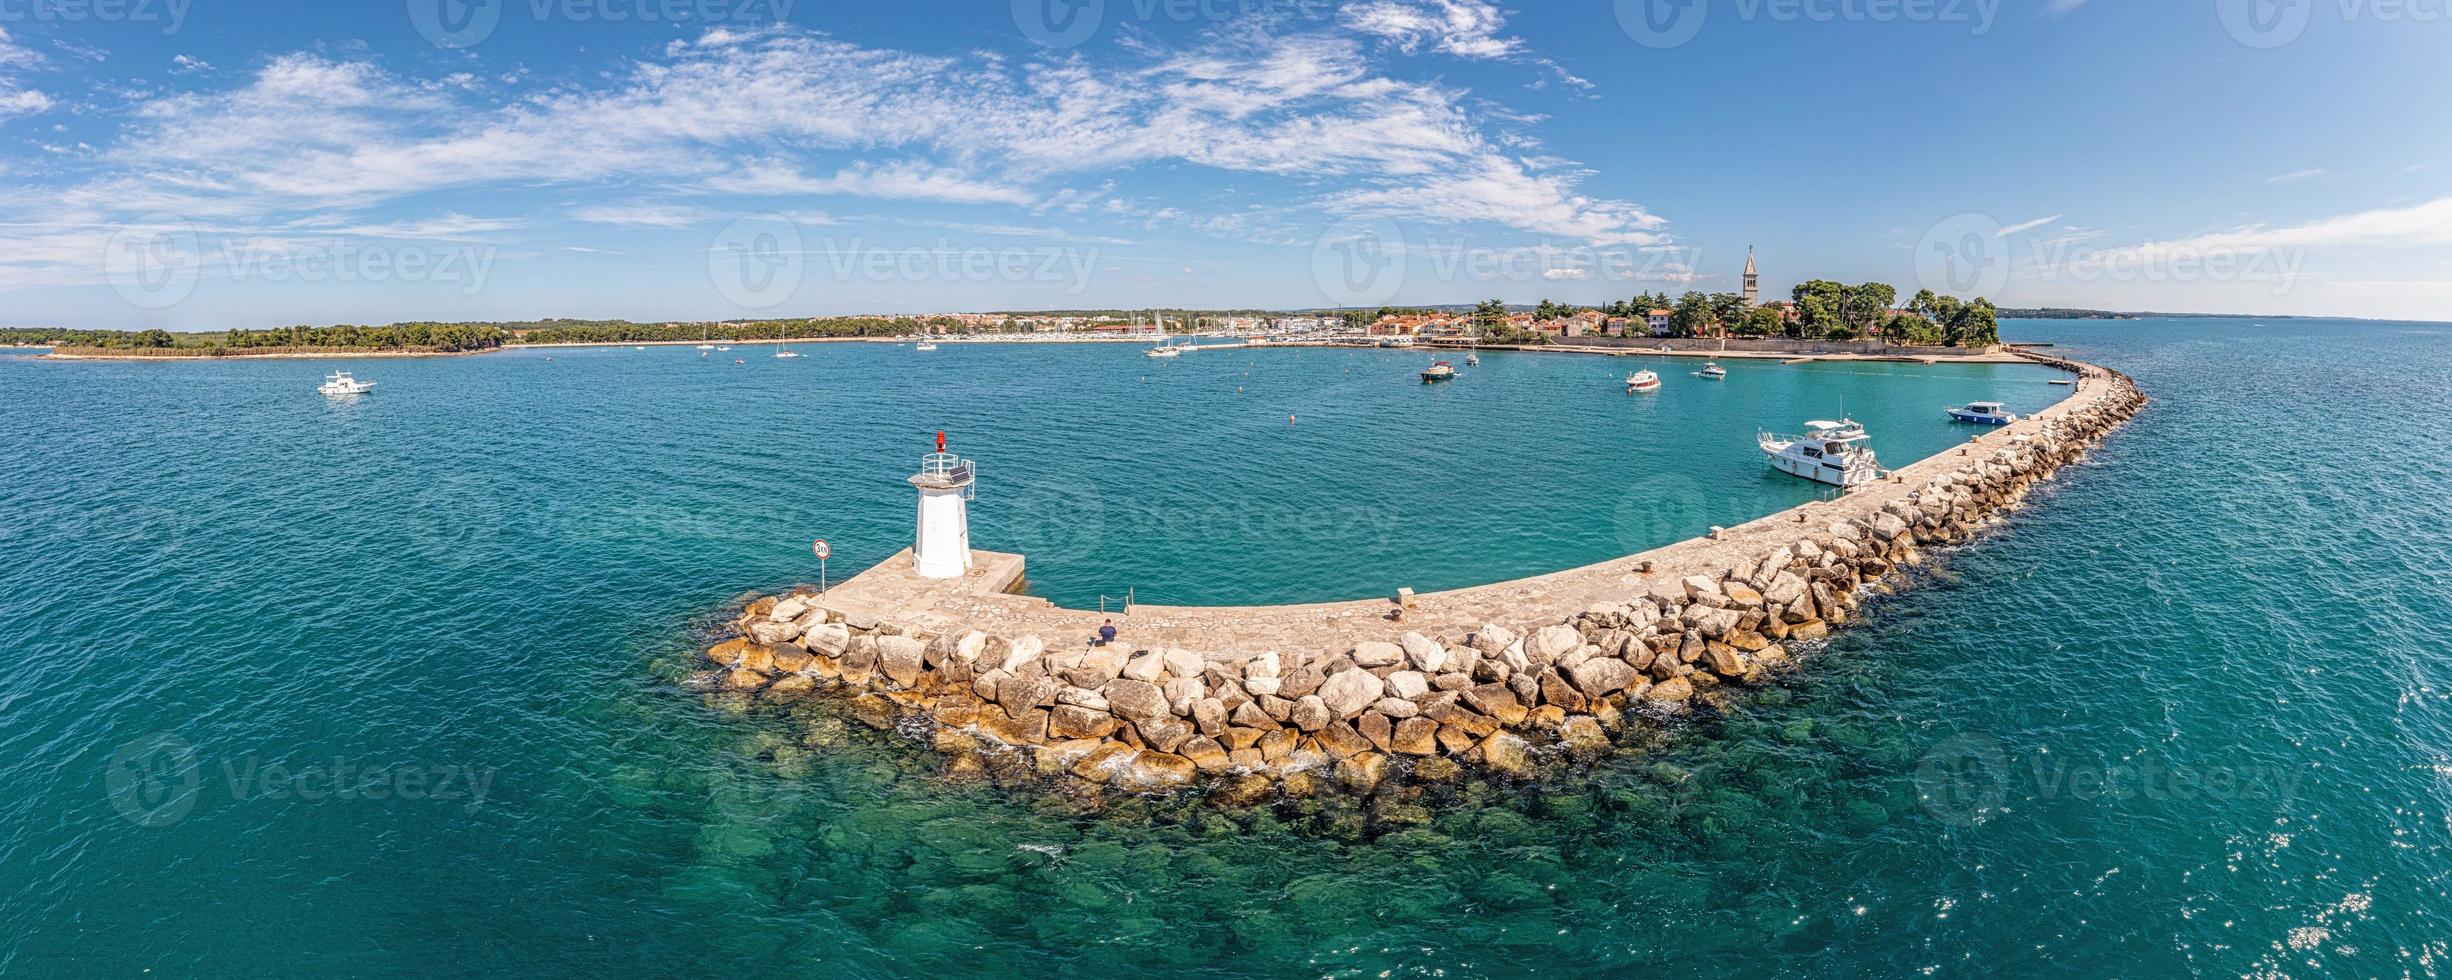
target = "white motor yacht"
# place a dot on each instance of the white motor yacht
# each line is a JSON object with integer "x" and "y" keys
{"x": 1983, "y": 413}
{"x": 340, "y": 383}
{"x": 1828, "y": 452}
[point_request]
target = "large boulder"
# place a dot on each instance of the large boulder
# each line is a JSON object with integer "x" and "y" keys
{"x": 1376, "y": 653}
{"x": 1553, "y": 642}
{"x": 788, "y": 609}
{"x": 1352, "y": 691}
{"x": 771, "y": 633}
{"x": 901, "y": 658}
{"x": 1600, "y": 677}
{"x": 1424, "y": 653}
{"x": 1408, "y": 684}
{"x": 1492, "y": 638}
{"x": 1136, "y": 700}
{"x": 1311, "y": 714}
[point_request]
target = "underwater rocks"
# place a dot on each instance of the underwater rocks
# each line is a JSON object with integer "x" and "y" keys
{"x": 1501, "y": 698}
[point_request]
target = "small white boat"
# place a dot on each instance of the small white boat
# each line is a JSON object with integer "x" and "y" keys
{"x": 782, "y": 351}
{"x": 706, "y": 347}
{"x": 1982, "y": 413}
{"x": 1828, "y": 452}
{"x": 1163, "y": 350}
{"x": 1643, "y": 381}
{"x": 1713, "y": 372}
{"x": 1472, "y": 360}
{"x": 638, "y": 348}
{"x": 1438, "y": 371}
{"x": 925, "y": 345}
{"x": 723, "y": 348}
{"x": 2063, "y": 381}
{"x": 340, "y": 383}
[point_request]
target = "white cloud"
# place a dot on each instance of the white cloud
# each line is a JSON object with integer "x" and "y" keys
{"x": 908, "y": 180}
{"x": 2296, "y": 176}
{"x": 2422, "y": 224}
{"x": 2029, "y": 225}
{"x": 15, "y": 100}
{"x": 1464, "y": 28}
{"x": 307, "y": 143}
{"x": 641, "y": 215}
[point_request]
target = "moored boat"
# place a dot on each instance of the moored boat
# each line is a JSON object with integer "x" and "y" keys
{"x": 1828, "y": 452}
{"x": 1438, "y": 371}
{"x": 1983, "y": 413}
{"x": 1472, "y": 360}
{"x": 1712, "y": 371}
{"x": 925, "y": 345}
{"x": 1643, "y": 381}
{"x": 341, "y": 383}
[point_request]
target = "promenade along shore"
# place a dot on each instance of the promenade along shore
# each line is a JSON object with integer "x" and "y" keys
{"x": 1253, "y": 702}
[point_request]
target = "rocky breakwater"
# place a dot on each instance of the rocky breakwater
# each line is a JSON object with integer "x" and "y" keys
{"x": 1500, "y": 697}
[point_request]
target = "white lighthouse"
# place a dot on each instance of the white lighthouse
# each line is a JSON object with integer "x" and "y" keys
{"x": 942, "y": 548}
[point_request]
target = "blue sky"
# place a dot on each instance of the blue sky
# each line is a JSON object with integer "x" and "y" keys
{"x": 197, "y": 165}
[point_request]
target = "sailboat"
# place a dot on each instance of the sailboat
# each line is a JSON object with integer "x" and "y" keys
{"x": 783, "y": 350}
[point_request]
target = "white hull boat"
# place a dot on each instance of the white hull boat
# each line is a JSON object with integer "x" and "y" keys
{"x": 1643, "y": 381}
{"x": 1712, "y": 372}
{"x": 340, "y": 383}
{"x": 1828, "y": 452}
{"x": 1982, "y": 413}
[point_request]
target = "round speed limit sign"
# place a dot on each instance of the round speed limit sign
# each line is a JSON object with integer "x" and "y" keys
{"x": 823, "y": 552}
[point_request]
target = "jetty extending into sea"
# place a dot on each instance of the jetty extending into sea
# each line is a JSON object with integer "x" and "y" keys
{"x": 1252, "y": 700}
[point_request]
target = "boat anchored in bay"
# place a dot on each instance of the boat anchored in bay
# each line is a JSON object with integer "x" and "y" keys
{"x": 1642, "y": 381}
{"x": 1982, "y": 413}
{"x": 1712, "y": 372}
{"x": 1438, "y": 371}
{"x": 341, "y": 383}
{"x": 1828, "y": 452}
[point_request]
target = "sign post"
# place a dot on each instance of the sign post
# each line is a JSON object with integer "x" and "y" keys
{"x": 822, "y": 551}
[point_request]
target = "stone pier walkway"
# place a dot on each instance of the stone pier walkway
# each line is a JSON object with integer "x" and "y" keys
{"x": 982, "y": 600}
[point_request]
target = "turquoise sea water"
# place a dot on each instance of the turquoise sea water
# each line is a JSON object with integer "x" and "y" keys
{"x": 2184, "y": 715}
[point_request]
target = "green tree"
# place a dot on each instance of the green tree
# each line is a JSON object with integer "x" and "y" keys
{"x": 1692, "y": 316}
